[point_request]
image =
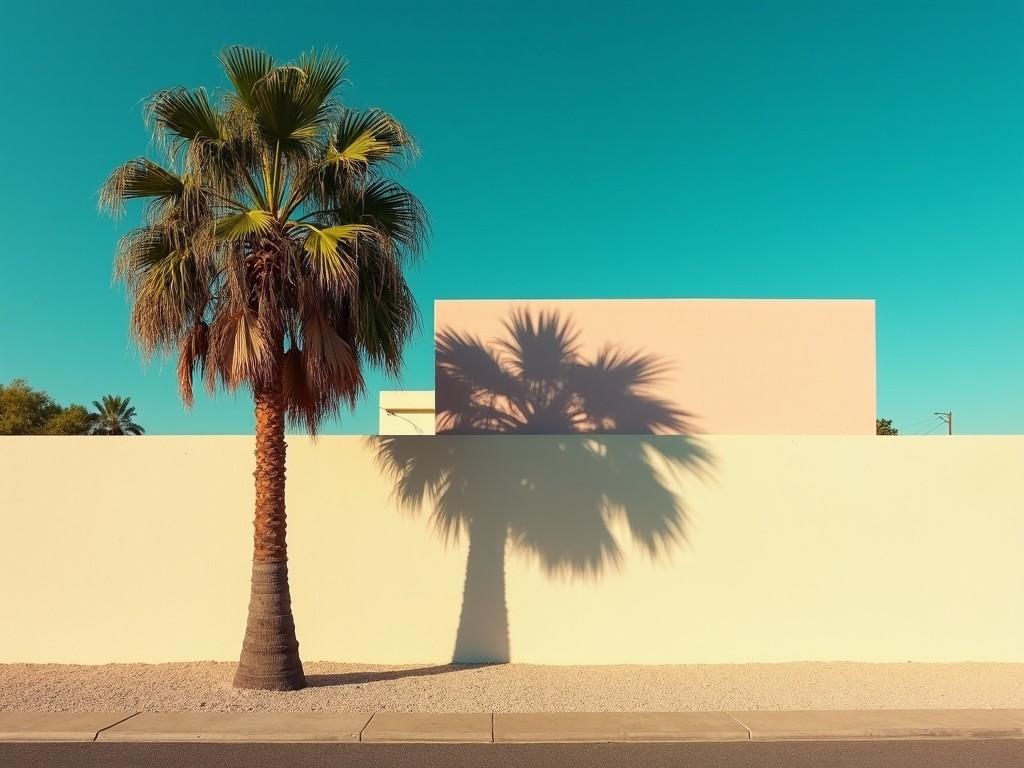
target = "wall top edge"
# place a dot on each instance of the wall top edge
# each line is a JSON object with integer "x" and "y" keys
{"x": 108, "y": 440}
{"x": 662, "y": 299}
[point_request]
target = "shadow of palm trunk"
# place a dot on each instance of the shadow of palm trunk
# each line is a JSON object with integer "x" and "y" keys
{"x": 483, "y": 633}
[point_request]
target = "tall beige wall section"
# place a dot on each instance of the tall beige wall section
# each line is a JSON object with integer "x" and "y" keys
{"x": 796, "y": 548}
{"x": 739, "y": 366}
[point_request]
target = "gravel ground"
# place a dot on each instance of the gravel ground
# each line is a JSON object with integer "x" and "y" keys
{"x": 206, "y": 686}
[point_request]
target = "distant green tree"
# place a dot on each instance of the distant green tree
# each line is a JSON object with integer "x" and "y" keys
{"x": 113, "y": 416}
{"x": 885, "y": 427}
{"x": 27, "y": 411}
{"x": 73, "y": 420}
{"x": 23, "y": 410}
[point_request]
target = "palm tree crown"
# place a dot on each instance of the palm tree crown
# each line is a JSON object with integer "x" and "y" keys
{"x": 273, "y": 240}
{"x": 113, "y": 416}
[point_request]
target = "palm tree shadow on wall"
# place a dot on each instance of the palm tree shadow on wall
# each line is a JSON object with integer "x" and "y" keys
{"x": 584, "y": 447}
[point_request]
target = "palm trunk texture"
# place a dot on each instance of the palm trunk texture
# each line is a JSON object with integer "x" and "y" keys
{"x": 270, "y": 651}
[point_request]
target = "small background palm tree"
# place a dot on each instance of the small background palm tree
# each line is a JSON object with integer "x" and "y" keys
{"x": 555, "y": 498}
{"x": 113, "y": 416}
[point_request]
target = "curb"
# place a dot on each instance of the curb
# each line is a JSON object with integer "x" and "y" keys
{"x": 511, "y": 728}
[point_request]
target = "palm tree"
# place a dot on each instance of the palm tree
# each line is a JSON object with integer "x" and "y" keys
{"x": 113, "y": 416}
{"x": 608, "y": 445}
{"x": 271, "y": 257}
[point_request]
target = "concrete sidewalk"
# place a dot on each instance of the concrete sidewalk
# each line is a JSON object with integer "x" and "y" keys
{"x": 554, "y": 727}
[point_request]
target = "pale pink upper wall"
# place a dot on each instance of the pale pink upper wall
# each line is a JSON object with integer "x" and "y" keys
{"x": 739, "y": 366}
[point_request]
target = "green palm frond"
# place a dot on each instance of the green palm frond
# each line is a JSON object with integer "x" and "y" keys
{"x": 139, "y": 178}
{"x": 291, "y": 111}
{"x": 385, "y": 314}
{"x": 381, "y": 203}
{"x": 245, "y": 67}
{"x": 185, "y": 115}
{"x": 367, "y": 137}
{"x": 393, "y": 210}
{"x": 327, "y": 239}
{"x": 238, "y": 226}
{"x": 331, "y": 264}
{"x": 323, "y": 73}
{"x": 113, "y": 416}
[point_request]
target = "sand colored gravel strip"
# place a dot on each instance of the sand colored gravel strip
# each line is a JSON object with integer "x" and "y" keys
{"x": 424, "y": 688}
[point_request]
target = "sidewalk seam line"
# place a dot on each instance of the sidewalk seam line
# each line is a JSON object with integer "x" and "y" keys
{"x": 750, "y": 734}
{"x": 96, "y": 735}
{"x": 365, "y": 725}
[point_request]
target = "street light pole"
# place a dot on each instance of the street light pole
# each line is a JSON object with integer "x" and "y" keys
{"x": 947, "y": 417}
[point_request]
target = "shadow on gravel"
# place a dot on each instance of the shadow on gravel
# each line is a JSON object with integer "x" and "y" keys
{"x": 358, "y": 678}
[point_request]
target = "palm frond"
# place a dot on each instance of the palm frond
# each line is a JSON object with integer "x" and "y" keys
{"x": 192, "y": 355}
{"x": 287, "y": 115}
{"x": 393, "y": 211}
{"x": 168, "y": 284}
{"x": 245, "y": 67}
{"x": 331, "y": 366}
{"x": 240, "y": 348}
{"x": 238, "y": 226}
{"x": 367, "y": 137}
{"x": 184, "y": 116}
{"x": 332, "y": 265}
{"x": 113, "y": 416}
{"x": 139, "y": 178}
{"x": 301, "y": 402}
{"x": 323, "y": 73}
{"x": 385, "y": 313}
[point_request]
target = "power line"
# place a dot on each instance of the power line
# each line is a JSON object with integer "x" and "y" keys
{"x": 921, "y": 423}
{"x": 932, "y": 423}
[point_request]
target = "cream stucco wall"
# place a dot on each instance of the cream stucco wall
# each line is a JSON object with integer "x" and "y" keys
{"x": 798, "y": 548}
{"x": 739, "y": 366}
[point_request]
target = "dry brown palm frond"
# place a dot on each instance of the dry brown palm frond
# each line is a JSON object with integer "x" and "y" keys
{"x": 330, "y": 362}
{"x": 192, "y": 355}
{"x": 300, "y": 402}
{"x": 239, "y": 347}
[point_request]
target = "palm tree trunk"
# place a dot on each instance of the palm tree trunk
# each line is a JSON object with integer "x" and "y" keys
{"x": 270, "y": 651}
{"x": 483, "y": 622}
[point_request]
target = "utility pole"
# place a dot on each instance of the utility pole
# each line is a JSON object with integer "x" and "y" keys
{"x": 947, "y": 417}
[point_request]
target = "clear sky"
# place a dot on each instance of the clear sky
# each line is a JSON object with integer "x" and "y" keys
{"x": 574, "y": 149}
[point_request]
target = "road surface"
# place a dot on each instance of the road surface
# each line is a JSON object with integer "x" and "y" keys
{"x": 985, "y": 753}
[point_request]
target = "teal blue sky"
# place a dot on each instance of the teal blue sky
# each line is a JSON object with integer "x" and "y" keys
{"x": 717, "y": 149}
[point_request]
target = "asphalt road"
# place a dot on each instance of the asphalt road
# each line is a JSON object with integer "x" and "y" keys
{"x": 992, "y": 753}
